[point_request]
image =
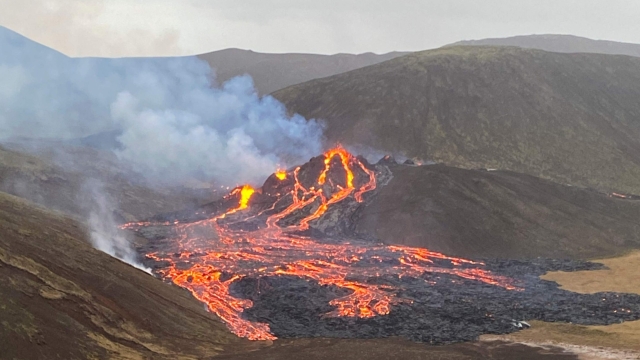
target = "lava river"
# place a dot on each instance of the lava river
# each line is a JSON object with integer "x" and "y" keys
{"x": 208, "y": 255}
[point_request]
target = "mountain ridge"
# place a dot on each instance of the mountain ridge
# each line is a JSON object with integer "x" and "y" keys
{"x": 559, "y": 43}
{"x": 272, "y": 72}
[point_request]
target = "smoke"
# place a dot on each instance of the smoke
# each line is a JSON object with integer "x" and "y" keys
{"x": 173, "y": 124}
{"x": 104, "y": 233}
{"x": 169, "y": 122}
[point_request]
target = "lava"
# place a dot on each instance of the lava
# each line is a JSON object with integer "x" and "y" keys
{"x": 281, "y": 175}
{"x": 208, "y": 256}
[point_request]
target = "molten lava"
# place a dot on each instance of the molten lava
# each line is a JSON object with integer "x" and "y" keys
{"x": 281, "y": 175}
{"x": 211, "y": 254}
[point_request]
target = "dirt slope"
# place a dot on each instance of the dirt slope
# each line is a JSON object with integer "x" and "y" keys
{"x": 60, "y": 298}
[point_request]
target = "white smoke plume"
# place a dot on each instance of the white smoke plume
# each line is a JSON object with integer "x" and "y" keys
{"x": 104, "y": 233}
{"x": 174, "y": 124}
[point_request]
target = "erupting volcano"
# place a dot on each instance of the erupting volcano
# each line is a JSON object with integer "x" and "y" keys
{"x": 296, "y": 227}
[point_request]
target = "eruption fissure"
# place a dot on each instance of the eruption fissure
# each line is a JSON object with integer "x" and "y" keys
{"x": 208, "y": 265}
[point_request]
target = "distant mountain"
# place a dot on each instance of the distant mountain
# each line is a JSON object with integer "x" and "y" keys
{"x": 106, "y": 140}
{"x": 573, "y": 118}
{"x": 560, "y": 43}
{"x": 273, "y": 72}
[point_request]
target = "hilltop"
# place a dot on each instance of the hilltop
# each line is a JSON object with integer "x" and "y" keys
{"x": 573, "y": 118}
{"x": 560, "y": 43}
{"x": 271, "y": 72}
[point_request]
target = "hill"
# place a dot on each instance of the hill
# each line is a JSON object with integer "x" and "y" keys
{"x": 59, "y": 176}
{"x": 60, "y": 298}
{"x": 560, "y": 43}
{"x": 573, "y": 118}
{"x": 271, "y": 72}
{"x": 476, "y": 213}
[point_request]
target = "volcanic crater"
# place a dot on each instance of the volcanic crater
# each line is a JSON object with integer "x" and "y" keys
{"x": 284, "y": 260}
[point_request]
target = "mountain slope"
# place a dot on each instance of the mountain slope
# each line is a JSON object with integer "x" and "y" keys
{"x": 271, "y": 72}
{"x": 573, "y": 118}
{"x": 60, "y": 298}
{"x": 561, "y": 44}
{"x": 66, "y": 178}
{"x": 475, "y": 213}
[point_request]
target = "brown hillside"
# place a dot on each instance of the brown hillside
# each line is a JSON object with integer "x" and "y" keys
{"x": 61, "y": 299}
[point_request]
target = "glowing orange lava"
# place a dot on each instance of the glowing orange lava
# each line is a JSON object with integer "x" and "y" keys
{"x": 281, "y": 175}
{"x": 212, "y": 254}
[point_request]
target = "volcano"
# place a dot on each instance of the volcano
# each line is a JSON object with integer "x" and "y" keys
{"x": 285, "y": 260}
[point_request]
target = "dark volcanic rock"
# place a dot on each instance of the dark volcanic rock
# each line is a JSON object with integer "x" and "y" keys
{"x": 449, "y": 310}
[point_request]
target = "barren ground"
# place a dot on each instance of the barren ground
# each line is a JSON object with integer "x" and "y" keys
{"x": 616, "y": 341}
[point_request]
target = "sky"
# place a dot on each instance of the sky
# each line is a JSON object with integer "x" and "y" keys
{"x": 123, "y": 28}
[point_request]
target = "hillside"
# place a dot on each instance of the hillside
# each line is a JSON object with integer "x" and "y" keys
{"x": 61, "y": 178}
{"x": 561, "y": 44}
{"x": 271, "y": 72}
{"x": 475, "y": 213}
{"x": 60, "y": 298}
{"x": 573, "y": 118}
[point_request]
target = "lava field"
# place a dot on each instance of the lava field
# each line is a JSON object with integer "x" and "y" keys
{"x": 283, "y": 261}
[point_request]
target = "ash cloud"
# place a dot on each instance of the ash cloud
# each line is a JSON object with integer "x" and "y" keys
{"x": 173, "y": 124}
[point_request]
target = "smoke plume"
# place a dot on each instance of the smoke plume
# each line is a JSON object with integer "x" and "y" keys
{"x": 173, "y": 123}
{"x": 104, "y": 233}
{"x": 169, "y": 119}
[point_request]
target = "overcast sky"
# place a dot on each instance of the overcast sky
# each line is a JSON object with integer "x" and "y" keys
{"x": 179, "y": 27}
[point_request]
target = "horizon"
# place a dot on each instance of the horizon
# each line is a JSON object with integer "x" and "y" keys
{"x": 120, "y": 29}
{"x": 330, "y": 54}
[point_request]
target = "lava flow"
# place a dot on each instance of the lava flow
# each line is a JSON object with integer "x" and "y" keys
{"x": 267, "y": 234}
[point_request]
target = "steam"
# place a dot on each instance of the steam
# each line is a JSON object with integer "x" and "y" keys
{"x": 104, "y": 233}
{"x": 173, "y": 124}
